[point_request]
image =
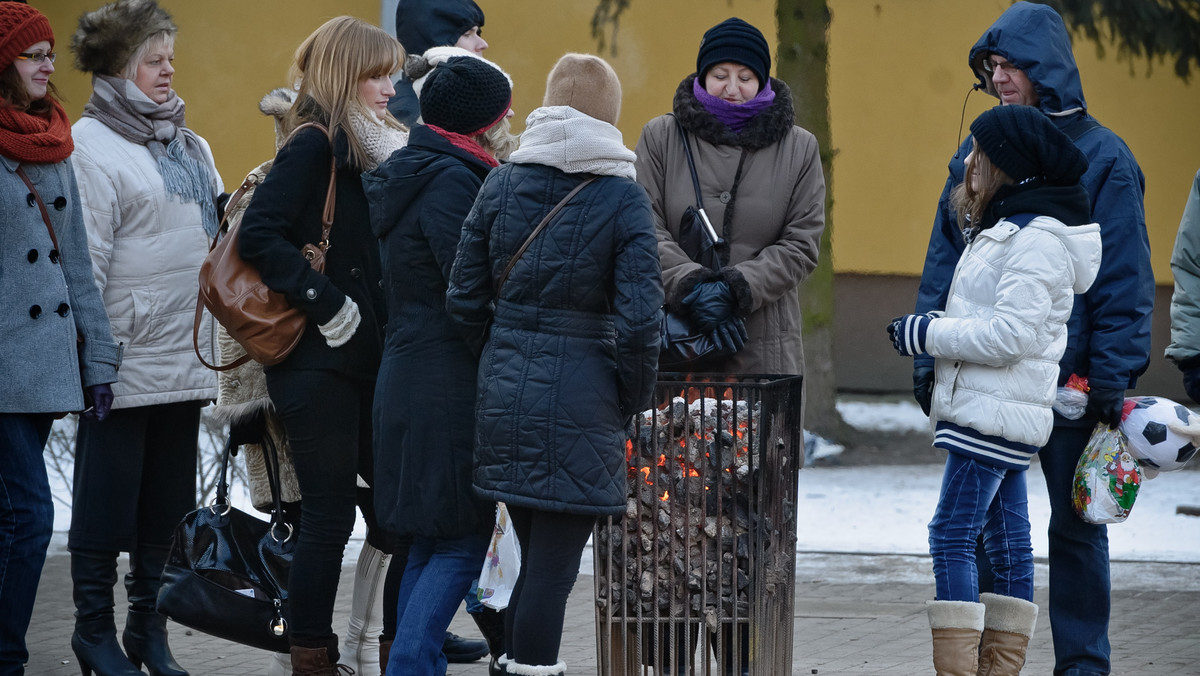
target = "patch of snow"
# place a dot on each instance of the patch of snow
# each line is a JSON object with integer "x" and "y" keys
{"x": 877, "y": 416}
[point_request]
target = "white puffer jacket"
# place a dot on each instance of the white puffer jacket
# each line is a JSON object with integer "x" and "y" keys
{"x": 147, "y": 247}
{"x": 1004, "y": 330}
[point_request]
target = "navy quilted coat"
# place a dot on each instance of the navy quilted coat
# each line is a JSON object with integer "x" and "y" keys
{"x": 569, "y": 350}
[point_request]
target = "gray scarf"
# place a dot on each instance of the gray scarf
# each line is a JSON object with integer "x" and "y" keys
{"x": 122, "y": 107}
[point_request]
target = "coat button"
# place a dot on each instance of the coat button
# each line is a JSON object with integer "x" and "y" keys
{"x": 30, "y": 199}
{"x": 63, "y": 309}
{"x": 311, "y": 294}
{"x": 60, "y": 202}
{"x": 54, "y": 256}
{"x": 35, "y": 311}
{"x": 33, "y": 255}
{"x": 355, "y": 273}
{"x": 725, "y": 197}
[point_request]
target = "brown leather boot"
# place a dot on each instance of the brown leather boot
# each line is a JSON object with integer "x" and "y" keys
{"x": 1008, "y": 624}
{"x": 318, "y": 661}
{"x": 385, "y": 651}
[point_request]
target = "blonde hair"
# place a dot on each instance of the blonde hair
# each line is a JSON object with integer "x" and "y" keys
{"x": 498, "y": 140}
{"x": 162, "y": 39}
{"x": 327, "y": 70}
{"x": 968, "y": 205}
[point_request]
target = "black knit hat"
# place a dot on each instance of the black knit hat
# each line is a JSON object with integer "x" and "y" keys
{"x": 1023, "y": 143}
{"x": 737, "y": 41}
{"x": 465, "y": 95}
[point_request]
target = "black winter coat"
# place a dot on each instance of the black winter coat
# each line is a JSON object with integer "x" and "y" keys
{"x": 283, "y": 216}
{"x": 425, "y": 395}
{"x": 573, "y": 340}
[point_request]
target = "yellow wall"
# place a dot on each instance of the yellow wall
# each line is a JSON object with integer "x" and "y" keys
{"x": 897, "y": 83}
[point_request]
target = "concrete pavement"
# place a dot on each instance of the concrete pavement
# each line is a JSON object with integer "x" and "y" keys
{"x": 854, "y": 614}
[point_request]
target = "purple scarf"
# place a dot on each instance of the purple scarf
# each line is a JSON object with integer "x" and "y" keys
{"x": 734, "y": 115}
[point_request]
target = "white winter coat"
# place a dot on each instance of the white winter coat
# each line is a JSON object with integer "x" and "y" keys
{"x": 147, "y": 247}
{"x": 1004, "y": 330}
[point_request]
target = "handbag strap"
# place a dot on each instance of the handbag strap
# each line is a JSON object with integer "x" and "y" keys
{"x": 249, "y": 183}
{"x": 41, "y": 204}
{"x": 270, "y": 455}
{"x": 536, "y": 231}
{"x": 687, "y": 150}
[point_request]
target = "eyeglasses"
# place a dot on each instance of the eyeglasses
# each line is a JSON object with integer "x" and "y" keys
{"x": 990, "y": 66}
{"x": 38, "y": 57}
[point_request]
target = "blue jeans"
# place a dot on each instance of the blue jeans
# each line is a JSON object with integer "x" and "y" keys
{"x": 978, "y": 497}
{"x": 1079, "y": 576}
{"x": 26, "y": 523}
{"x": 438, "y": 575}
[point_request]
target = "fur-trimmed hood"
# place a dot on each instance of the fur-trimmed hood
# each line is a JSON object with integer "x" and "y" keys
{"x": 108, "y": 37}
{"x": 762, "y": 130}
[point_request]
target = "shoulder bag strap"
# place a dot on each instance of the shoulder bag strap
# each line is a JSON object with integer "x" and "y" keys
{"x": 687, "y": 150}
{"x": 41, "y": 205}
{"x": 533, "y": 235}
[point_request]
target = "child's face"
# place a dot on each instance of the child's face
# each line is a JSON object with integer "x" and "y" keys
{"x": 974, "y": 179}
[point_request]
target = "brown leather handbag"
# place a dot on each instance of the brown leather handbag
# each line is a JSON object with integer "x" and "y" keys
{"x": 259, "y": 319}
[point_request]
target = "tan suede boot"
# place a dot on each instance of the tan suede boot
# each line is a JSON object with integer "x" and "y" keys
{"x": 956, "y": 627}
{"x": 1008, "y": 624}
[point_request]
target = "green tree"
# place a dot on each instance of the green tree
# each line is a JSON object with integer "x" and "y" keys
{"x": 1154, "y": 29}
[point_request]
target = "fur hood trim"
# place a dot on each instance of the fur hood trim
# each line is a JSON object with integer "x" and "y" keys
{"x": 108, "y": 37}
{"x": 761, "y": 131}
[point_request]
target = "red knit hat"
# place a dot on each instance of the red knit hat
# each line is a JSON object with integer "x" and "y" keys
{"x": 20, "y": 27}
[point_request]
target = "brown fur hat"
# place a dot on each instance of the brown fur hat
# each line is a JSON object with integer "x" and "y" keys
{"x": 108, "y": 37}
{"x": 586, "y": 83}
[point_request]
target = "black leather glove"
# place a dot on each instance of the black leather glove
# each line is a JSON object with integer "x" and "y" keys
{"x": 99, "y": 399}
{"x": 248, "y": 429}
{"x": 709, "y": 304}
{"x": 1106, "y": 405}
{"x": 730, "y": 335}
{"x": 1191, "y": 383}
{"x": 923, "y": 387}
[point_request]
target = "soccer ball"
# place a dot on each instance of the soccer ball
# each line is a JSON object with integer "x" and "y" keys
{"x": 1163, "y": 435}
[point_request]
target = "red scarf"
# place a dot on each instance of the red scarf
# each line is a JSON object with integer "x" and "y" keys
{"x": 30, "y": 138}
{"x": 466, "y": 143}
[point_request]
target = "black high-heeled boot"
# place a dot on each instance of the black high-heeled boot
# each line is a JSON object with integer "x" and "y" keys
{"x": 145, "y": 635}
{"x": 93, "y": 575}
{"x": 491, "y": 625}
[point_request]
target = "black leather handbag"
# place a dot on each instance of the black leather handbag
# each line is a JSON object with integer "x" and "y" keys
{"x": 227, "y": 571}
{"x": 683, "y": 346}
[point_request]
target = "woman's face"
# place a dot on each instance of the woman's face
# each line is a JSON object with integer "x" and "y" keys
{"x": 154, "y": 73}
{"x": 731, "y": 82}
{"x": 974, "y": 176}
{"x": 36, "y": 76}
{"x": 472, "y": 41}
{"x": 375, "y": 92}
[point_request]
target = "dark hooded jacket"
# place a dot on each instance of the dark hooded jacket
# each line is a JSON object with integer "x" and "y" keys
{"x": 1108, "y": 334}
{"x": 422, "y": 25}
{"x": 425, "y": 395}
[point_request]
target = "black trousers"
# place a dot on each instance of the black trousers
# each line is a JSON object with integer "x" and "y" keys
{"x": 135, "y": 477}
{"x": 327, "y": 416}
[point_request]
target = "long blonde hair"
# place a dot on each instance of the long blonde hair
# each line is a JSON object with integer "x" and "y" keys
{"x": 327, "y": 69}
{"x": 968, "y": 205}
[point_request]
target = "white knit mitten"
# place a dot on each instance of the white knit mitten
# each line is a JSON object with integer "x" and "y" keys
{"x": 341, "y": 328}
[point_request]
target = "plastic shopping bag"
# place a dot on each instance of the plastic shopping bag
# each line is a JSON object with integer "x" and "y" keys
{"x": 1106, "y": 479}
{"x": 502, "y": 565}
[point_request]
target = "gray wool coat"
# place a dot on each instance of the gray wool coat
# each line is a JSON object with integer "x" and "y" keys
{"x": 50, "y": 297}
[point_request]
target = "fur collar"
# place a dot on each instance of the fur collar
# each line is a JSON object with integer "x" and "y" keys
{"x": 763, "y": 130}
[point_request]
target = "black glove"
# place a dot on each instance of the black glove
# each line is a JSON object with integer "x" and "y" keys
{"x": 923, "y": 387}
{"x": 730, "y": 335}
{"x": 1191, "y": 383}
{"x": 709, "y": 304}
{"x": 99, "y": 399}
{"x": 1106, "y": 405}
{"x": 248, "y": 429}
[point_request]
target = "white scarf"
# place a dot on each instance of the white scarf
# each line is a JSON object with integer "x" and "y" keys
{"x": 378, "y": 139}
{"x": 566, "y": 139}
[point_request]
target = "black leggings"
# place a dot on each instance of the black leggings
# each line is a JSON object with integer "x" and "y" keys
{"x": 551, "y": 546}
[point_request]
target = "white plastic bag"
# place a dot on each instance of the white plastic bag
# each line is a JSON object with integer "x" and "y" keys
{"x": 502, "y": 564}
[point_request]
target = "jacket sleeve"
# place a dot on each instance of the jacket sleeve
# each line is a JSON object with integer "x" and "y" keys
{"x": 99, "y": 355}
{"x": 1035, "y": 269}
{"x": 1185, "y": 302}
{"x": 637, "y": 301}
{"x": 271, "y": 236}
{"x": 442, "y": 218}
{"x": 651, "y": 165}
{"x": 469, "y": 296}
{"x": 782, "y": 265}
{"x": 1120, "y": 301}
{"x": 945, "y": 248}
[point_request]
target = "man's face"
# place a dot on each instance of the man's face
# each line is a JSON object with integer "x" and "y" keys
{"x": 1012, "y": 85}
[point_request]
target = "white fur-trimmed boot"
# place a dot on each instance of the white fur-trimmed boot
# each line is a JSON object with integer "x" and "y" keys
{"x": 360, "y": 645}
{"x": 559, "y": 669}
{"x": 956, "y": 627}
{"x": 1008, "y": 624}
